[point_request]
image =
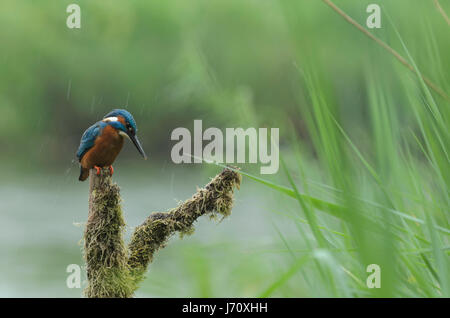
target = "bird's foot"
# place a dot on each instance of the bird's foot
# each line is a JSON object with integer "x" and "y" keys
{"x": 111, "y": 170}
{"x": 98, "y": 170}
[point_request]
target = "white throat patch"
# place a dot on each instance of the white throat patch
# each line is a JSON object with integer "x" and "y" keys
{"x": 123, "y": 134}
{"x": 109, "y": 119}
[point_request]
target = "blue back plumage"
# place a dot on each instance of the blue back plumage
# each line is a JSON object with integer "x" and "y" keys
{"x": 88, "y": 138}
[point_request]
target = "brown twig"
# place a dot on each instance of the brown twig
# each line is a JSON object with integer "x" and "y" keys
{"x": 400, "y": 58}
{"x": 438, "y": 6}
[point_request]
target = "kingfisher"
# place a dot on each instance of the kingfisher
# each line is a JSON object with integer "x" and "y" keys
{"x": 102, "y": 142}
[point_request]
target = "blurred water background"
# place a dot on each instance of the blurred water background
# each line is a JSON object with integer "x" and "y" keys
{"x": 39, "y": 243}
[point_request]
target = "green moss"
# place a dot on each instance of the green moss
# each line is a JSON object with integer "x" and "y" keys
{"x": 104, "y": 250}
{"x": 115, "y": 271}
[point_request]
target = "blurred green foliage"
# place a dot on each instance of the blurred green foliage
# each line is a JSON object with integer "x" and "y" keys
{"x": 231, "y": 63}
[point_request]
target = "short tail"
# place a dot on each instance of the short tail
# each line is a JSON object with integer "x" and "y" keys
{"x": 84, "y": 174}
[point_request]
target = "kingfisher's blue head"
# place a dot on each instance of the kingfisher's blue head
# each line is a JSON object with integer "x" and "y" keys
{"x": 124, "y": 122}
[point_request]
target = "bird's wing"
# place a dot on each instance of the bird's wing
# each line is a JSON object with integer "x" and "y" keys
{"x": 88, "y": 139}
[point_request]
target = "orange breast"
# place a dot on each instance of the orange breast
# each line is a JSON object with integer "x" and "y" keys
{"x": 105, "y": 150}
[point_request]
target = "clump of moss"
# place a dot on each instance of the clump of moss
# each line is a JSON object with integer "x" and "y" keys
{"x": 215, "y": 198}
{"x": 115, "y": 271}
{"x": 104, "y": 250}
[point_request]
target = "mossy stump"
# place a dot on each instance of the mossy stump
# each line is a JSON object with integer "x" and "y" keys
{"x": 115, "y": 269}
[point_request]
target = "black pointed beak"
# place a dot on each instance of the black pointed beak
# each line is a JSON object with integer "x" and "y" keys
{"x": 136, "y": 142}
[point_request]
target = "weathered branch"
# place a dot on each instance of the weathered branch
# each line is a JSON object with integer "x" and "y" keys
{"x": 114, "y": 270}
{"x": 216, "y": 197}
{"x": 104, "y": 250}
